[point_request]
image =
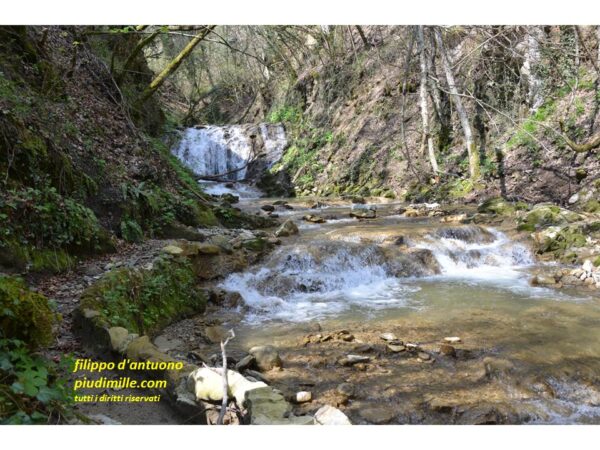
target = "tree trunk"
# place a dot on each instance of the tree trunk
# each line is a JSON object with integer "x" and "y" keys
{"x": 174, "y": 64}
{"x": 427, "y": 139}
{"x": 135, "y": 52}
{"x": 361, "y": 33}
{"x": 474, "y": 169}
{"x": 531, "y": 67}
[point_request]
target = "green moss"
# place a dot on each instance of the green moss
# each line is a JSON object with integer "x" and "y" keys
{"x": 591, "y": 206}
{"x": 542, "y": 216}
{"x": 146, "y": 300}
{"x": 562, "y": 242}
{"x": 24, "y": 314}
{"x": 497, "y": 206}
{"x": 460, "y": 188}
{"x": 256, "y": 245}
{"x": 232, "y": 218}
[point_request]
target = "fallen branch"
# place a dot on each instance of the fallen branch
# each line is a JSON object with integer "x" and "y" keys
{"x": 590, "y": 144}
{"x": 225, "y": 381}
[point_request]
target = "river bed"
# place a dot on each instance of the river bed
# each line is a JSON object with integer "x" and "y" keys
{"x": 526, "y": 354}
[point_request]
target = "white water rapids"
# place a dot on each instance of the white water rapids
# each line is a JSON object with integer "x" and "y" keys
{"x": 319, "y": 279}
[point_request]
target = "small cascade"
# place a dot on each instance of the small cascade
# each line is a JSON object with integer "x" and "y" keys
{"x": 230, "y": 150}
{"x": 311, "y": 280}
{"x": 320, "y": 278}
{"x": 476, "y": 252}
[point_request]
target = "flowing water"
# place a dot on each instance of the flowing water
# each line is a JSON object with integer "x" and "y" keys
{"x": 228, "y": 150}
{"x": 426, "y": 280}
{"x": 528, "y": 354}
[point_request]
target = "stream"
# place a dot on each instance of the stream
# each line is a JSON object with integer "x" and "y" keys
{"x": 526, "y": 354}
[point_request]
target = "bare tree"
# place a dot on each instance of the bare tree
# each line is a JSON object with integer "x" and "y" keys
{"x": 531, "y": 65}
{"x": 474, "y": 169}
{"x": 427, "y": 138}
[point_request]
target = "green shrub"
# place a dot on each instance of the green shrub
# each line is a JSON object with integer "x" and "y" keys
{"x": 131, "y": 231}
{"x": 24, "y": 314}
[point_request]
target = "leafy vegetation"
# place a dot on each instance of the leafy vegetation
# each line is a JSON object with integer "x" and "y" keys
{"x": 33, "y": 390}
{"x": 144, "y": 301}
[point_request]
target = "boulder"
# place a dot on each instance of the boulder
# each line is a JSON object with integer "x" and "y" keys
{"x": 313, "y": 218}
{"x": 543, "y": 280}
{"x": 361, "y": 212}
{"x": 119, "y": 338}
{"x": 497, "y": 206}
{"x": 328, "y": 415}
{"x": 268, "y": 208}
{"x": 244, "y": 363}
{"x": 288, "y": 228}
{"x": 543, "y": 215}
{"x": 266, "y": 407}
{"x": 266, "y": 357}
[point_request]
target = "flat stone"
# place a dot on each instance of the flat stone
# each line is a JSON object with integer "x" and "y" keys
{"x": 173, "y": 250}
{"x": 328, "y": 415}
{"x": 266, "y": 406}
{"x": 396, "y": 348}
{"x": 350, "y": 360}
{"x": 424, "y": 356}
{"x": 388, "y": 337}
{"x": 378, "y": 415}
{"x": 165, "y": 344}
{"x": 244, "y": 363}
{"x": 257, "y": 375}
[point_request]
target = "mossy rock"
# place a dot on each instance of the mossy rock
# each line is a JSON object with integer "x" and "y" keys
{"x": 560, "y": 241}
{"x": 545, "y": 215}
{"x": 145, "y": 301}
{"x": 232, "y": 218}
{"x": 497, "y": 206}
{"x": 256, "y": 245}
{"x": 24, "y": 314}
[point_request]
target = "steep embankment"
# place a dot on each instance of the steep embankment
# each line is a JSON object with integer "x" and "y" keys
{"x": 83, "y": 177}
{"x": 355, "y": 124}
{"x": 79, "y": 164}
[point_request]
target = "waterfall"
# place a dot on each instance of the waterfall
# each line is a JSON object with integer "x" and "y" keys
{"x": 215, "y": 150}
